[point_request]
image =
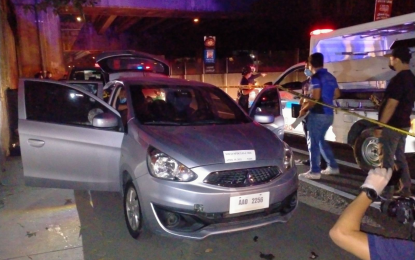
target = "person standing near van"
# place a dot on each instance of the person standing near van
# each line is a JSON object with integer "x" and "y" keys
{"x": 253, "y": 77}
{"x": 323, "y": 88}
{"x": 303, "y": 101}
{"x": 395, "y": 110}
{"x": 243, "y": 94}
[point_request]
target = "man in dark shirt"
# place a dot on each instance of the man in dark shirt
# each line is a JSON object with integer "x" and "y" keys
{"x": 253, "y": 76}
{"x": 395, "y": 110}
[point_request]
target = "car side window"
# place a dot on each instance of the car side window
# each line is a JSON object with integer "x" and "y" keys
{"x": 54, "y": 103}
{"x": 269, "y": 102}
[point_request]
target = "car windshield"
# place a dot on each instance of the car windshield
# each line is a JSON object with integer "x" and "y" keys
{"x": 184, "y": 105}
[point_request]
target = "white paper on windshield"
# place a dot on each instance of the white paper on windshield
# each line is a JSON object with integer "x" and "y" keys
{"x": 239, "y": 156}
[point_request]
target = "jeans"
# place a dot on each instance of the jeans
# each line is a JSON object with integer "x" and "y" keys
{"x": 392, "y": 144}
{"x": 323, "y": 162}
{"x": 317, "y": 125}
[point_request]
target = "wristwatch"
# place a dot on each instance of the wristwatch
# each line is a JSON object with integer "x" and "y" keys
{"x": 370, "y": 193}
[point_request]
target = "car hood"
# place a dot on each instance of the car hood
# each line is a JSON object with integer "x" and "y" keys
{"x": 204, "y": 145}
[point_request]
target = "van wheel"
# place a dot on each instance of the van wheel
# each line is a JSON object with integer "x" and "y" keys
{"x": 366, "y": 151}
{"x": 132, "y": 210}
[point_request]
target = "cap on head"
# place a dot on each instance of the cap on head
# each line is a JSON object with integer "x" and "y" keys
{"x": 402, "y": 53}
{"x": 246, "y": 70}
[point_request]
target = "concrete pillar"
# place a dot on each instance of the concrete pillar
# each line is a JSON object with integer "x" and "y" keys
{"x": 8, "y": 75}
{"x": 40, "y": 46}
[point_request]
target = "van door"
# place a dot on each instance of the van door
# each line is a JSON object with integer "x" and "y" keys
{"x": 268, "y": 101}
{"x": 62, "y": 145}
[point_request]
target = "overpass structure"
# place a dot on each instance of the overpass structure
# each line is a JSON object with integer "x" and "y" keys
{"x": 49, "y": 41}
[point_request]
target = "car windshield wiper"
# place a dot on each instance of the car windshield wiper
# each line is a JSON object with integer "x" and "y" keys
{"x": 161, "y": 123}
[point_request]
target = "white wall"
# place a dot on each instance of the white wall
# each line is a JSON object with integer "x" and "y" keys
{"x": 229, "y": 82}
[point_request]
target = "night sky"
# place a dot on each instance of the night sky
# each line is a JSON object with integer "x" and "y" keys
{"x": 274, "y": 25}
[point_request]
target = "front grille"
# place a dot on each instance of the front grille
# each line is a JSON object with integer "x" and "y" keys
{"x": 243, "y": 177}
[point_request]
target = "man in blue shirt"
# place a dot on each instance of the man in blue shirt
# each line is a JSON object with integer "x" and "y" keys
{"x": 323, "y": 88}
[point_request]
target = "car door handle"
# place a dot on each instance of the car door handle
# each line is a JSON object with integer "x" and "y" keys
{"x": 36, "y": 143}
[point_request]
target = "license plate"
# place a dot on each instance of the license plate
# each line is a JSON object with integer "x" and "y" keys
{"x": 249, "y": 202}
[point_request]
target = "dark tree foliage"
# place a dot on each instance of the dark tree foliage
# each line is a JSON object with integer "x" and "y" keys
{"x": 57, "y": 5}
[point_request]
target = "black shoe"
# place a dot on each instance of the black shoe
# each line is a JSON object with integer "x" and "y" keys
{"x": 323, "y": 166}
{"x": 306, "y": 162}
{"x": 405, "y": 192}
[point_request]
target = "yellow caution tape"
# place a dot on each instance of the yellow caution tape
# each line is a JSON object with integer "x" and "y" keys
{"x": 324, "y": 104}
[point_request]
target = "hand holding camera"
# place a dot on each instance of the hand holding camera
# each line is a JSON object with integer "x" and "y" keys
{"x": 377, "y": 179}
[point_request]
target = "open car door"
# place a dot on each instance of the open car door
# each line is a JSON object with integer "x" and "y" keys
{"x": 268, "y": 102}
{"x": 69, "y": 137}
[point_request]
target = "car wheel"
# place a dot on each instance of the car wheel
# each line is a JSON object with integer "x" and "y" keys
{"x": 132, "y": 210}
{"x": 366, "y": 150}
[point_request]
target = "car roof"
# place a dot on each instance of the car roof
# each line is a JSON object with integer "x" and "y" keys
{"x": 120, "y": 53}
{"x": 163, "y": 81}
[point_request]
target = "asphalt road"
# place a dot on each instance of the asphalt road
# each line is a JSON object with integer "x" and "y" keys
{"x": 64, "y": 224}
{"x": 40, "y": 224}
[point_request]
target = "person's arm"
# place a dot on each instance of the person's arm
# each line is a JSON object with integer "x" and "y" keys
{"x": 316, "y": 94}
{"x": 337, "y": 93}
{"x": 255, "y": 76}
{"x": 386, "y": 115}
{"x": 346, "y": 232}
{"x": 389, "y": 109}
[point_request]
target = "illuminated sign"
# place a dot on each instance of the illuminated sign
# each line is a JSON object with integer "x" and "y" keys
{"x": 383, "y": 9}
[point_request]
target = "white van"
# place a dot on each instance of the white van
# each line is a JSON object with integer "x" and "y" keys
{"x": 356, "y": 57}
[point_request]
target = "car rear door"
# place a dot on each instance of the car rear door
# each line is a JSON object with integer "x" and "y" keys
{"x": 268, "y": 101}
{"x": 59, "y": 145}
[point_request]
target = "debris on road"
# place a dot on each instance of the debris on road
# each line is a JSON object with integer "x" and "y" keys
{"x": 267, "y": 256}
{"x": 255, "y": 238}
{"x": 313, "y": 255}
{"x": 208, "y": 250}
{"x": 30, "y": 234}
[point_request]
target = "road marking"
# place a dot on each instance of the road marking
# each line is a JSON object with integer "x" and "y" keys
{"x": 335, "y": 191}
{"x": 331, "y": 189}
{"x": 351, "y": 165}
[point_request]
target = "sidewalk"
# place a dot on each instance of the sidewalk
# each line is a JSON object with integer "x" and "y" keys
{"x": 31, "y": 219}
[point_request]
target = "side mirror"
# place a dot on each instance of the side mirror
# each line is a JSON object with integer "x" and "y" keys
{"x": 105, "y": 120}
{"x": 264, "y": 118}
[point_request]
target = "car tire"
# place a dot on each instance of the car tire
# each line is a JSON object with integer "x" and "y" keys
{"x": 132, "y": 210}
{"x": 366, "y": 150}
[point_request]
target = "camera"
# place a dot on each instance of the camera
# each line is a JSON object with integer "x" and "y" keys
{"x": 402, "y": 208}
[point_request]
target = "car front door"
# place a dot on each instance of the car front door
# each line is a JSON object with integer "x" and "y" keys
{"x": 62, "y": 145}
{"x": 268, "y": 101}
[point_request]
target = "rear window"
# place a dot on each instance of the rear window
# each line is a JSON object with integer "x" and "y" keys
{"x": 134, "y": 64}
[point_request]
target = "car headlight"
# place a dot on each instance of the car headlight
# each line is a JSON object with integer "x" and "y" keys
{"x": 164, "y": 167}
{"x": 288, "y": 157}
